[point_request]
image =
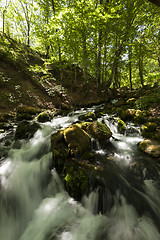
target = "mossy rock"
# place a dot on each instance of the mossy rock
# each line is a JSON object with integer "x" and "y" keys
{"x": 84, "y": 125}
{"x": 148, "y": 130}
{"x": 26, "y": 113}
{"x": 89, "y": 116}
{"x": 140, "y": 117}
{"x": 60, "y": 150}
{"x": 75, "y": 180}
{"x": 5, "y": 117}
{"x": 99, "y": 131}
{"x": 121, "y": 125}
{"x": 27, "y": 109}
{"x": 150, "y": 147}
{"x": 128, "y": 114}
{"x": 26, "y": 130}
{"x": 77, "y": 139}
{"x": 45, "y": 116}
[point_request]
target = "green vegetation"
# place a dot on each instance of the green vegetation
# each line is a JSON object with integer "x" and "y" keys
{"x": 115, "y": 43}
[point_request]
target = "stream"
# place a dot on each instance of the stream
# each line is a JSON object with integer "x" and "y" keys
{"x": 35, "y": 206}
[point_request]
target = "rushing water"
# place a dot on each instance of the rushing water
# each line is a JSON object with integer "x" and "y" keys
{"x": 35, "y": 206}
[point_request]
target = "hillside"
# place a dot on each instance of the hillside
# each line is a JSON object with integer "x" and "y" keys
{"x": 25, "y": 79}
{"x": 28, "y": 79}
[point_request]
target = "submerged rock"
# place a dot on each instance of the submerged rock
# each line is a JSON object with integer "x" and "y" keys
{"x": 150, "y": 147}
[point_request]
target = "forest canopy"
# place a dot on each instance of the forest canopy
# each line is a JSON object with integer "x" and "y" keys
{"x": 116, "y": 43}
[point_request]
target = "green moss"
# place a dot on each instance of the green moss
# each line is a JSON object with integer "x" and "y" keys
{"x": 121, "y": 125}
{"x": 148, "y": 130}
{"x": 77, "y": 139}
{"x": 150, "y": 147}
{"x": 44, "y": 116}
{"x": 26, "y": 130}
{"x": 90, "y": 115}
{"x": 76, "y": 181}
{"x": 147, "y": 101}
{"x": 100, "y": 131}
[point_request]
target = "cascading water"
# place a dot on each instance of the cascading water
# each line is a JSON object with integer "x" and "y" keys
{"x": 35, "y": 206}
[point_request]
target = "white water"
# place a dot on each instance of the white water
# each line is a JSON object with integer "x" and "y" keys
{"x": 34, "y": 205}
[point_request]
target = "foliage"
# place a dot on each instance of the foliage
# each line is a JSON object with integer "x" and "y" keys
{"x": 115, "y": 42}
{"x": 147, "y": 101}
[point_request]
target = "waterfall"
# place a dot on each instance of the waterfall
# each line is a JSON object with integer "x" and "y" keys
{"x": 35, "y": 206}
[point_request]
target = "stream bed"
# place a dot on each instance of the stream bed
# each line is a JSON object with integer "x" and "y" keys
{"x": 35, "y": 206}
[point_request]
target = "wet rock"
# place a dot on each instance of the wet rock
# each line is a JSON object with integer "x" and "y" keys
{"x": 26, "y": 113}
{"x": 26, "y": 130}
{"x": 77, "y": 139}
{"x": 60, "y": 150}
{"x": 45, "y": 116}
{"x": 99, "y": 131}
{"x": 89, "y": 116}
{"x": 121, "y": 125}
{"x": 150, "y": 147}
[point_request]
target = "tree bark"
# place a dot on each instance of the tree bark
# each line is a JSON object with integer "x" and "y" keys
{"x": 130, "y": 66}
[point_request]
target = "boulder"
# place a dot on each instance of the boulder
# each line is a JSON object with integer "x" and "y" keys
{"x": 26, "y": 112}
{"x": 26, "y": 130}
{"x": 91, "y": 116}
{"x": 45, "y": 116}
{"x": 121, "y": 125}
{"x": 148, "y": 130}
{"x": 100, "y": 131}
{"x": 150, "y": 147}
{"x": 77, "y": 139}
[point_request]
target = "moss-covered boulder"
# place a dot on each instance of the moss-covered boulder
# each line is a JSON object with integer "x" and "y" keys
{"x": 141, "y": 117}
{"x": 6, "y": 121}
{"x": 6, "y": 117}
{"x": 26, "y": 112}
{"x": 77, "y": 139}
{"x": 26, "y": 130}
{"x": 127, "y": 115}
{"x": 121, "y": 125}
{"x": 91, "y": 116}
{"x": 100, "y": 131}
{"x": 76, "y": 179}
{"x": 60, "y": 150}
{"x": 150, "y": 147}
{"x": 45, "y": 116}
{"x": 148, "y": 130}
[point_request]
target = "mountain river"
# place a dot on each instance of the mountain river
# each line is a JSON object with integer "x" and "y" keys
{"x": 33, "y": 208}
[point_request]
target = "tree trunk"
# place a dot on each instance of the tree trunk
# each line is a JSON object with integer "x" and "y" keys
{"x": 85, "y": 58}
{"x": 99, "y": 57}
{"x": 140, "y": 65}
{"x": 3, "y": 20}
{"x": 130, "y": 67}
